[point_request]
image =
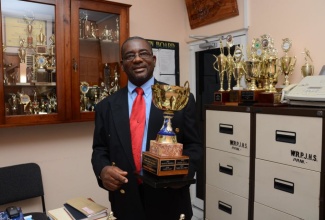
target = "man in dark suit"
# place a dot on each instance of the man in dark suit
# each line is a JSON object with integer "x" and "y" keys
{"x": 112, "y": 157}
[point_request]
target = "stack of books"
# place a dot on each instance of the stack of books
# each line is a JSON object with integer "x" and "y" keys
{"x": 79, "y": 209}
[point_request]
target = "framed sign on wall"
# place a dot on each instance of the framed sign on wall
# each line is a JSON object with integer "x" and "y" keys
{"x": 203, "y": 12}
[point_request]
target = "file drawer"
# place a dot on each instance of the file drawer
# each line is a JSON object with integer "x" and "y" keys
{"x": 228, "y": 131}
{"x": 222, "y": 205}
{"x": 262, "y": 212}
{"x": 227, "y": 171}
{"x": 291, "y": 140}
{"x": 293, "y": 190}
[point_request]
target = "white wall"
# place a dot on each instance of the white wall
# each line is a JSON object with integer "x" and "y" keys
{"x": 64, "y": 150}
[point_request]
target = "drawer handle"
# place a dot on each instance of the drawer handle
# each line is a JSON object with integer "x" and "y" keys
{"x": 285, "y": 136}
{"x": 283, "y": 185}
{"x": 225, "y": 207}
{"x": 226, "y": 169}
{"x": 226, "y": 129}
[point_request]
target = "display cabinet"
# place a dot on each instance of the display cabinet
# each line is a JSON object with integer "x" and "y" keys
{"x": 59, "y": 58}
{"x": 96, "y": 71}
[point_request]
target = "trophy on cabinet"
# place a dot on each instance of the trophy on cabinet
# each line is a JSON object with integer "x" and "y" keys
{"x": 307, "y": 69}
{"x": 221, "y": 96}
{"x": 287, "y": 64}
{"x": 239, "y": 68}
{"x": 164, "y": 157}
{"x": 230, "y": 61}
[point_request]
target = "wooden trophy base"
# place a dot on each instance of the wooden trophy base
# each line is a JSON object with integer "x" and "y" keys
{"x": 164, "y": 165}
{"x": 249, "y": 97}
{"x": 269, "y": 99}
{"x": 220, "y": 97}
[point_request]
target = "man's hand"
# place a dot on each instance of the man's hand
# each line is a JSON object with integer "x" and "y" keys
{"x": 113, "y": 177}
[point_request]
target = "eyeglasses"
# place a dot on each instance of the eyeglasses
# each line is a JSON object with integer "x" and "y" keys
{"x": 143, "y": 55}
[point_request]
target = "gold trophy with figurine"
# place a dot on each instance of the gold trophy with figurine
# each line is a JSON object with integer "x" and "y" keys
{"x": 221, "y": 96}
{"x": 287, "y": 63}
{"x": 230, "y": 61}
{"x": 307, "y": 69}
{"x": 164, "y": 157}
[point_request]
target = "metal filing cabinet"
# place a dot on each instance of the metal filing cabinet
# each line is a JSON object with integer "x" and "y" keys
{"x": 264, "y": 163}
{"x": 227, "y": 163}
{"x": 288, "y": 165}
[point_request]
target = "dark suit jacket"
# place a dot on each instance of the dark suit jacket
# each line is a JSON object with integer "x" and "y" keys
{"x": 112, "y": 143}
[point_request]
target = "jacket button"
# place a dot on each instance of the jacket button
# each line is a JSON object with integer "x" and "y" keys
{"x": 122, "y": 191}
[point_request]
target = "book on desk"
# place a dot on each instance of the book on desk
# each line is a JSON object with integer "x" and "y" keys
{"x": 79, "y": 209}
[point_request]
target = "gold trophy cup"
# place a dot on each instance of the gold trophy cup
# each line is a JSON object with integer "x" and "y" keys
{"x": 287, "y": 63}
{"x": 165, "y": 155}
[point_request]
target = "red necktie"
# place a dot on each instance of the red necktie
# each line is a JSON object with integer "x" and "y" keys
{"x": 137, "y": 122}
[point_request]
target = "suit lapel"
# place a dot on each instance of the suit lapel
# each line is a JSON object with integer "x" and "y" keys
{"x": 120, "y": 112}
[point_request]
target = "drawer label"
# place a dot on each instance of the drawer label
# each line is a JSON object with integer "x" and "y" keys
{"x": 302, "y": 157}
{"x": 237, "y": 145}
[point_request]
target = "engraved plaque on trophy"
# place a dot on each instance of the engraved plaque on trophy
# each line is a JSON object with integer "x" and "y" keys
{"x": 165, "y": 154}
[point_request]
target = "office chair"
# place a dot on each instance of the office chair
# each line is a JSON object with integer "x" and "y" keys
{"x": 20, "y": 182}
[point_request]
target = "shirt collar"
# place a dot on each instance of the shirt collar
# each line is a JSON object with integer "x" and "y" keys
{"x": 146, "y": 87}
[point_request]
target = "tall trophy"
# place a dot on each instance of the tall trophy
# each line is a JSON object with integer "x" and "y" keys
{"x": 287, "y": 63}
{"x": 239, "y": 68}
{"x": 230, "y": 62}
{"x": 22, "y": 65}
{"x": 220, "y": 65}
{"x": 307, "y": 69}
{"x": 165, "y": 155}
{"x": 84, "y": 88}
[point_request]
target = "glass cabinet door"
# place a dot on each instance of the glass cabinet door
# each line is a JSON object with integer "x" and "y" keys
{"x": 97, "y": 28}
{"x": 31, "y": 91}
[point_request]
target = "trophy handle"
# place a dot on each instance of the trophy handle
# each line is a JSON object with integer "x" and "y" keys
{"x": 187, "y": 85}
{"x": 292, "y": 66}
{"x": 214, "y": 64}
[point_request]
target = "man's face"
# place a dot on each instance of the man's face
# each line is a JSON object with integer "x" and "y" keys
{"x": 138, "y": 61}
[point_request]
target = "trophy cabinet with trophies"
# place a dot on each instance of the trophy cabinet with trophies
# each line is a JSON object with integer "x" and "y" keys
{"x": 60, "y": 58}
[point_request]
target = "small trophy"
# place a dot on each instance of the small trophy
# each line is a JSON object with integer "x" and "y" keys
{"x": 29, "y": 21}
{"x": 165, "y": 155}
{"x": 115, "y": 84}
{"x": 24, "y": 100}
{"x": 287, "y": 63}
{"x": 107, "y": 35}
{"x": 84, "y": 88}
{"x": 13, "y": 102}
{"x": 307, "y": 69}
